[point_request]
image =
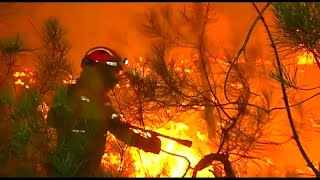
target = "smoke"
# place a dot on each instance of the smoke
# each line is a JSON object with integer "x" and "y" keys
{"x": 112, "y": 24}
{"x": 87, "y": 25}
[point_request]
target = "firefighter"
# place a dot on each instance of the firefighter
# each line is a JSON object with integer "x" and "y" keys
{"x": 89, "y": 115}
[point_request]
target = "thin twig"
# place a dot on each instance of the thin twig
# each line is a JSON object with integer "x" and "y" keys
{"x": 243, "y": 48}
{"x": 119, "y": 106}
{"x": 189, "y": 163}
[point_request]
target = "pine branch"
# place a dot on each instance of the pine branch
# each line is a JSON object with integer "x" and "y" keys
{"x": 243, "y": 48}
{"x": 285, "y": 96}
{"x": 298, "y": 27}
{"x": 208, "y": 159}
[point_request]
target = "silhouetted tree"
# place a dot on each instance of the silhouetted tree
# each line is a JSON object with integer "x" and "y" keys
{"x": 52, "y": 64}
{"x": 297, "y": 29}
{"x": 9, "y": 50}
{"x": 24, "y": 126}
{"x": 239, "y": 126}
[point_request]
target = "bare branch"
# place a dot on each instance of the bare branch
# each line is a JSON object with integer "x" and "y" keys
{"x": 285, "y": 98}
{"x": 208, "y": 159}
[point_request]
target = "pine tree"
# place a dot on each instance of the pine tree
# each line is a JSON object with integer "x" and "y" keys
{"x": 52, "y": 63}
{"x": 298, "y": 27}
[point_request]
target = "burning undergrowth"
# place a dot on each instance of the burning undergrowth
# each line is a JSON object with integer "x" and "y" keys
{"x": 174, "y": 160}
{"x": 181, "y": 122}
{"x": 222, "y": 107}
{"x": 179, "y": 118}
{"x": 184, "y": 120}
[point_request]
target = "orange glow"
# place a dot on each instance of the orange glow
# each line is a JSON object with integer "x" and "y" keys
{"x": 32, "y": 81}
{"x": 223, "y": 37}
{"x": 164, "y": 165}
{"x": 236, "y": 85}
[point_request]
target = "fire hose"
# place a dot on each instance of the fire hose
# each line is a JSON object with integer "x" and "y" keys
{"x": 184, "y": 142}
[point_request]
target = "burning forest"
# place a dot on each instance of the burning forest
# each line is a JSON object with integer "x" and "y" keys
{"x": 194, "y": 103}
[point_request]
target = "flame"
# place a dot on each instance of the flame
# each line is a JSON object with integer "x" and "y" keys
{"x": 306, "y": 58}
{"x": 69, "y": 80}
{"x": 19, "y": 74}
{"x": 237, "y": 85}
{"x": 19, "y": 82}
{"x": 187, "y": 71}
{"x": 164, "y": 164}
{"x": 44, "y": 109}
{"x": 24, "y": 78}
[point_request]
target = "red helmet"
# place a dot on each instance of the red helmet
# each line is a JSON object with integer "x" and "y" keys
{"x": 104, "y": 56}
